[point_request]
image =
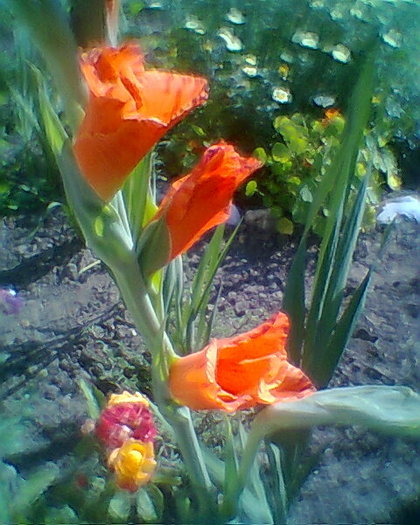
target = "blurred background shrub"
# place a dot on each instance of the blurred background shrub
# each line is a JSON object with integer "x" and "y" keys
{"x": 281, "y": 74}
{"x": 29, "y": 178}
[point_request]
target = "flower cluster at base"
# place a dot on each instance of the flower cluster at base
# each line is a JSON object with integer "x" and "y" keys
{"x": 240, "y": 372}
{"x": 127, "y": 430}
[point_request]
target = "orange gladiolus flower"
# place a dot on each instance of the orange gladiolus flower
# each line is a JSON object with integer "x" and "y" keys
{"x": 241, "y": 371}
{"x": 200, "y": 200}
{"x": 129, "y": 110}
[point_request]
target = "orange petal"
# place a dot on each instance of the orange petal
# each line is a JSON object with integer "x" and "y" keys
{"x": 167, "y": 97}
{"x": 129, "y": 110}
{"x": 192, "y": 382}
{"x": 200, "y": 200}
{"x": 106, "y": 159}
{"x": 241, "y": 371}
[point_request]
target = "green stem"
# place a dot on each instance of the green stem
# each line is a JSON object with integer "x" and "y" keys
{"x": 181, "y": 422}
{"x": 133, "y": 290}
{"x": 231, "y": 500}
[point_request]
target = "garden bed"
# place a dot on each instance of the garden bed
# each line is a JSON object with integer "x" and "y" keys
{"x": 73, "y": 326}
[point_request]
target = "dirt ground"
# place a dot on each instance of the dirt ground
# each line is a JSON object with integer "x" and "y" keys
{"x": 72, "y": 325}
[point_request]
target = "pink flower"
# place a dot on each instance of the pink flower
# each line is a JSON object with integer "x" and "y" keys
{"x": 126, "y": 416}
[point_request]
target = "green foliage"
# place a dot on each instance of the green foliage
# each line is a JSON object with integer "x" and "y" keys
{"x": 191, "y": 318}
{"x": 310, "y": 343}
{"x": 299, "y": 159}
{"x": 29, "y": 178}
{"x": 242, "y": 105}
{"x": 311, "y": 61}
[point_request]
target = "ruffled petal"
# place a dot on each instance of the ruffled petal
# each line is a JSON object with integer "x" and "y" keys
{"x": 241, "y": 371}
{"x": 201, "y": 200}
{"x": 129, "y": 110}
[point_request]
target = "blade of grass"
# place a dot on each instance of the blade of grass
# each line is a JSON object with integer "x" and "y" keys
{"x": 294, "y": 303}
{"x": 343, "y": 166}
{"x": 345, "y": 326}
{"x": 337, "y": 282}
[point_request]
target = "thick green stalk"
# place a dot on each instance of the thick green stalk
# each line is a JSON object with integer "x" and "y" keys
{"x": 106, "y": 229}
{"x": 181, "y": 422}
{"x": 106, "y": 234}
{"x": 129, "y": 280}
{"x": 133, "y": 291}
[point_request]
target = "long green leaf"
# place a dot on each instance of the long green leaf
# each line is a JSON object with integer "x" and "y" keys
{"x": 195, "y": 311}
{"x": 313, "y": 331}
{"x": 214, "y": 465}
{"x": 342, "y": 334}
{"x": 54, "y": 129}
{"x": 49, "y": 28}
{"x": 276, "y": 491}
{"x": 259, "y": 511}
{"x": 230, "y": 457}
{"x": 385, "y": 409}
{"x": 294, "y": 303}
{"x": 94, "y": 399}
{"x": 319, "y": 326}
{"x": 327, "y": 351}
{"x": 348, "y": 242}
{"x": 206, "y": 325}
{"x": 206, "y": 266}
{"x": 345, "y": 326}
{"x": 393, "y": 410}
{"x": 138, "y": 199}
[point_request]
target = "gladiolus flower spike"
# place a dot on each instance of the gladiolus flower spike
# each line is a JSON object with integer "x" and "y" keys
{"x": 197, "y": 202}
{"x": 241, "y": 371}
{"x": 129, "y": 110}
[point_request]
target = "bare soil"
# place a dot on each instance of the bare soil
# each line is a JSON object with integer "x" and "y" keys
{"x": 73, "y": 325}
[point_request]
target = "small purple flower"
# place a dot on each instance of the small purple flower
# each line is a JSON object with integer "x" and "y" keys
{"x": 10, "y": 303}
